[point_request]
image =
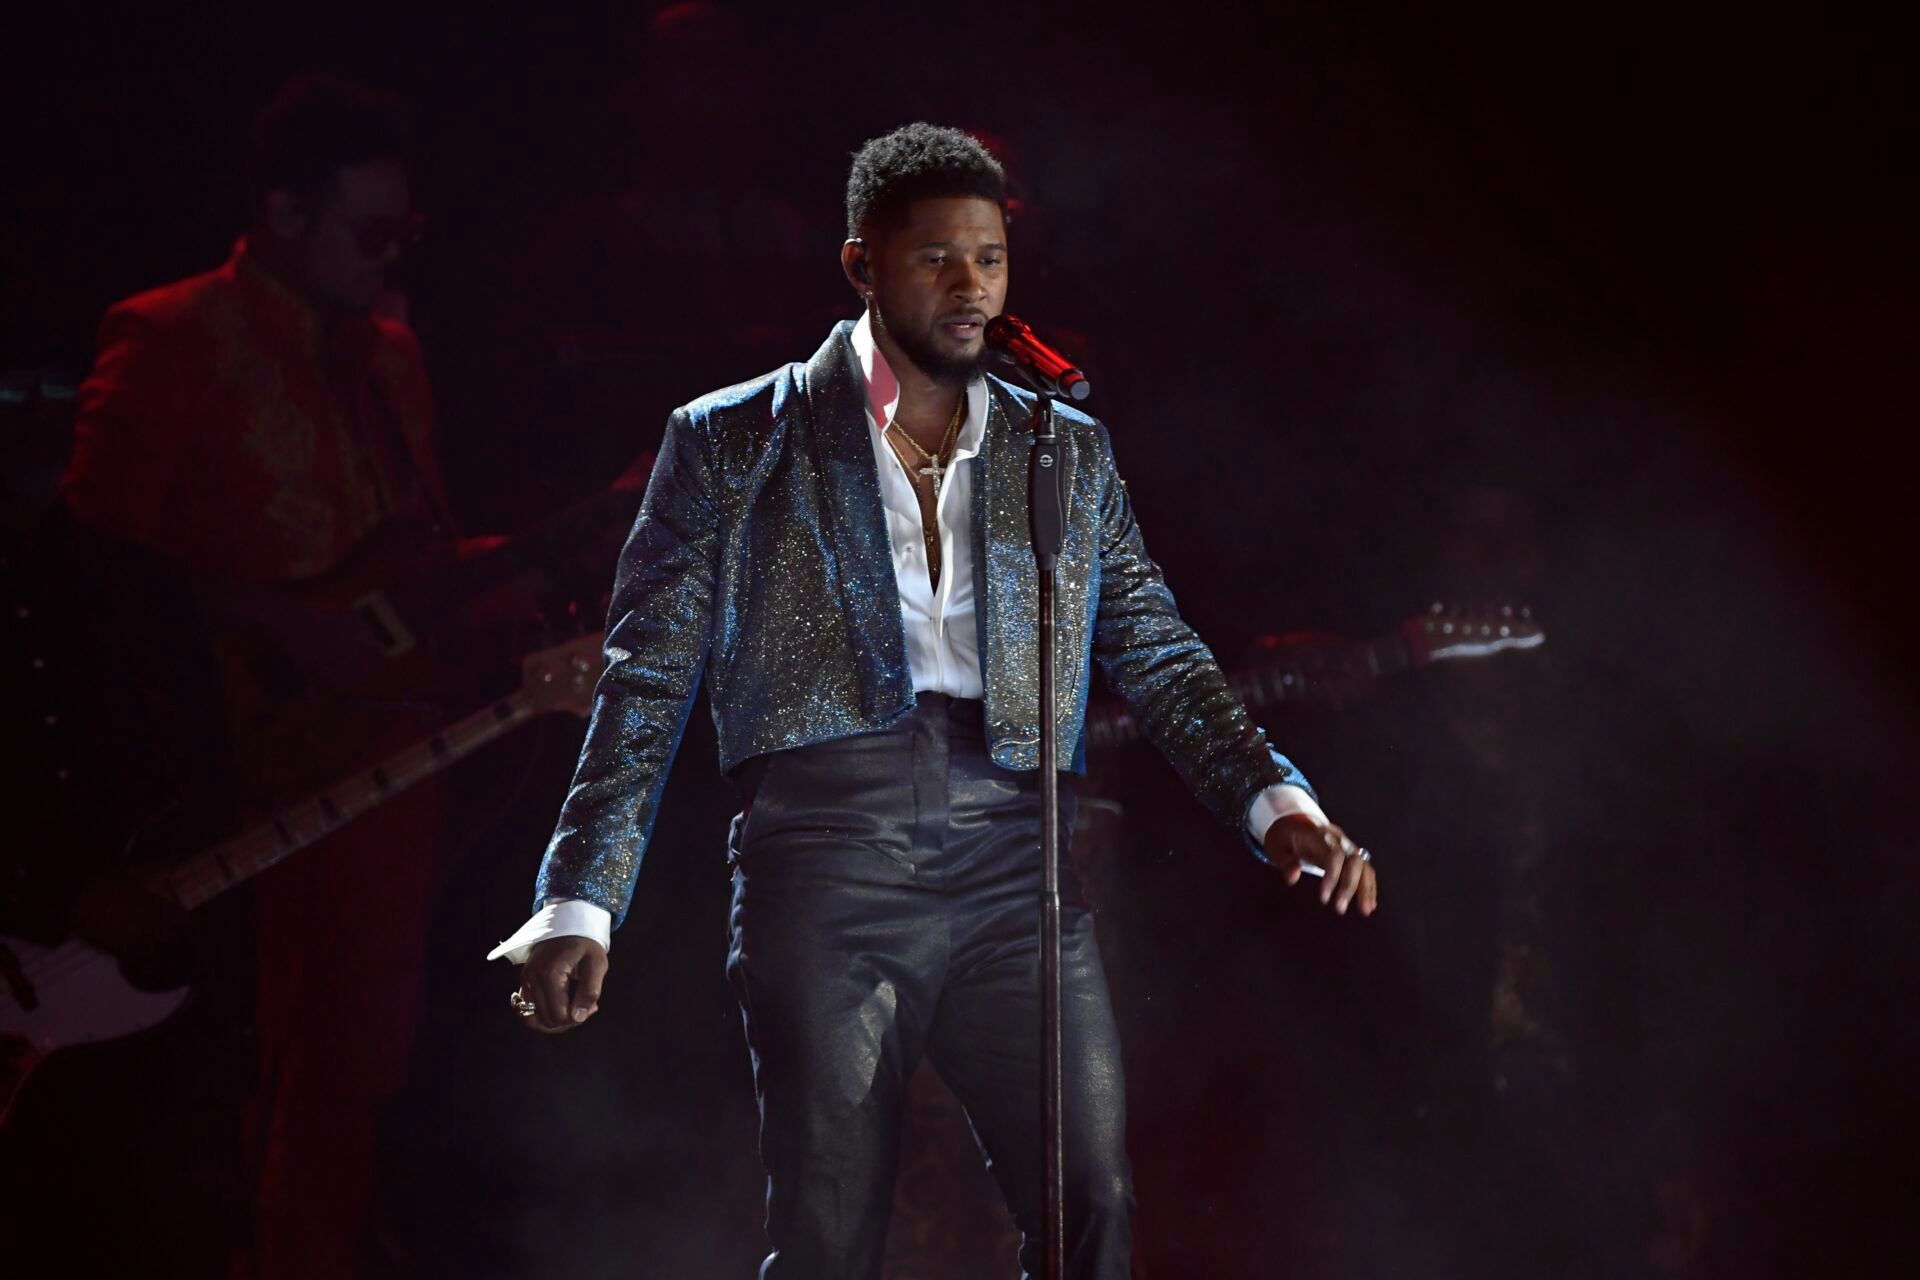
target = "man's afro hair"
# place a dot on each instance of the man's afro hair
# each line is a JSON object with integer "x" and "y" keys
{"x": 918, "y": 162}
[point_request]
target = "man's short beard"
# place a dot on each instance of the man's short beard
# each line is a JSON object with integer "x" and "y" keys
{"x": 949, "y": 371}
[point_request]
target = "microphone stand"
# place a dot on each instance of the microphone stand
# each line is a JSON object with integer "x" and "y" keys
{"x": 1046, "y": 509}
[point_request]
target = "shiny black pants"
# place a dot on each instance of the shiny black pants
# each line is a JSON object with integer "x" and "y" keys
{"x": 886, "y": 904}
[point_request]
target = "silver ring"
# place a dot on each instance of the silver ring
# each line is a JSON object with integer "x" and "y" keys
{"x": 1364, "y": 856}
{"x": 522, "y": 1006}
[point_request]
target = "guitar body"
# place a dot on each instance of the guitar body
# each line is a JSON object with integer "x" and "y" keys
{"x": 324, "y": 672}
{"x": 320, "y": 674}
{"x": 61, "y": 997}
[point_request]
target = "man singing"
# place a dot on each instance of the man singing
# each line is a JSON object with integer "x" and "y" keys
{"x": 841, "y": 547}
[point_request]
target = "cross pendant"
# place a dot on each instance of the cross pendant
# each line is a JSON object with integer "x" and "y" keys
{"x": 935, "y": 470}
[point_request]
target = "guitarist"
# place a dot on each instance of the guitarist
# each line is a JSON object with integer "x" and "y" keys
{"x": 252, "y": 429}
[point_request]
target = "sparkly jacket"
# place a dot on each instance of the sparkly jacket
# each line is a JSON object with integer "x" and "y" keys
{"x": 761, "y": 558}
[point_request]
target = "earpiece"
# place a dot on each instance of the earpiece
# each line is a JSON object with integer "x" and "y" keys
{"x": 860, "y": 272}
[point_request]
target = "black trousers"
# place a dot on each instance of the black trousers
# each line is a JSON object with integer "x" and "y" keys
{"x": 885, "y": 905}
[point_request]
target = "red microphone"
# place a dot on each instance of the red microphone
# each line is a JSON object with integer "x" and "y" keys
{"x": 1049, "y": 371}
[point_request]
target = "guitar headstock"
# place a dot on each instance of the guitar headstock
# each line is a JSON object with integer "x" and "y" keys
{"x": 1448, "y": 632}
{"x": 562, "y": 678}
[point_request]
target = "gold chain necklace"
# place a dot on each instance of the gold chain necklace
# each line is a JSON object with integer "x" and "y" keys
{"x": 937, "y": 464}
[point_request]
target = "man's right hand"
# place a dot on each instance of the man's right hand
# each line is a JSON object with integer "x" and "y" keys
{"x": 562, "y": 980}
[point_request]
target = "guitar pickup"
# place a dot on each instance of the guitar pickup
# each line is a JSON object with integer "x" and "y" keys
{"x": 388, "y": 631}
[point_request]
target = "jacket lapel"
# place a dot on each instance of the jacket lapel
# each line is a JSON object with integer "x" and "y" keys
{"x": 855, "y": 525}
{"x": 1006, "y": 583}
{"x": 999, "y": 499}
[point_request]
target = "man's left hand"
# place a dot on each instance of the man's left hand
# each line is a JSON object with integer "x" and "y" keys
{"x": 1296, "y": 841}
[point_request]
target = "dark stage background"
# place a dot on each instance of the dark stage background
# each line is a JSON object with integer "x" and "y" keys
{"x": 1608, "y": 311}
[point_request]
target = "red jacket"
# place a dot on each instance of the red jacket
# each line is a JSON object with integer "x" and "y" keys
{"x": 226, "y": 426}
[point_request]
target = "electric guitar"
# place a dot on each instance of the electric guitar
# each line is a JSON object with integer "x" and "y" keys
{"x": 1445, "y": 633}
{"x": 311, "y": 671}
{"x": 75, "y": 994}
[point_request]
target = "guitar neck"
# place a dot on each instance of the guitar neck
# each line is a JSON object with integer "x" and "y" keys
{"x": 205, "y": 876}
{"x": 1263, "y": 686}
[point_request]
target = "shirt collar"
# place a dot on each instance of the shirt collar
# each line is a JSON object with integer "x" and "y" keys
{"x": 883, "y": 391}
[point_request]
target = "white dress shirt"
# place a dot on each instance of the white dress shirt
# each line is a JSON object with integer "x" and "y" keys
{"x": 943, "y": 646}
{"x": 943, "y": 654}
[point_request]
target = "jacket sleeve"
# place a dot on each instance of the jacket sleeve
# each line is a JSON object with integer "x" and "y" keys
{"x": 1168, "y": 679}
{"x": 658, "y": 631}
{"x": 132, "y": 432}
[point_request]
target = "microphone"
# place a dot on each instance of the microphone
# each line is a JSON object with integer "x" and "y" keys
{"x": 1048, "y": 370}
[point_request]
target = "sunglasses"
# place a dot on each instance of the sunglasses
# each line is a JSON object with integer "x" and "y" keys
{"x": 378, "y": 235}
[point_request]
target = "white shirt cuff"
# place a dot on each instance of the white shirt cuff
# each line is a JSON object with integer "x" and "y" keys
{"x": 558, "y": 918}
{"x": 1279, "y": 801}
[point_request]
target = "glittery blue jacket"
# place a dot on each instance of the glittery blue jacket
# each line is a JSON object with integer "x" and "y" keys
{"x": 761, "y": 558}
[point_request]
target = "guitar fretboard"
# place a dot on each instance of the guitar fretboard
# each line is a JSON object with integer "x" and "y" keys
{"x": 289, "y": 830}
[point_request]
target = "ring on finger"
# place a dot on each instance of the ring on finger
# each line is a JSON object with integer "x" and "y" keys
{"x": 521, "y": 1005}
